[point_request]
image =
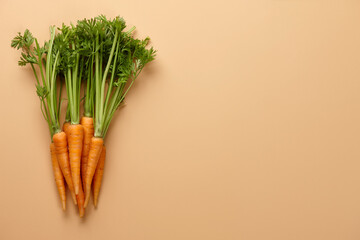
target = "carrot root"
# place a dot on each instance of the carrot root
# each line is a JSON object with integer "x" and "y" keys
{"x": 80, "y": 200}
{"x": 62, "y": 156}
{"x": 94, "y": 155}
{"x": 99, "y": 172}
{"x": 59, "y": 178}
{"x": 75, "y": 136}
{"x": 88, "y": 124}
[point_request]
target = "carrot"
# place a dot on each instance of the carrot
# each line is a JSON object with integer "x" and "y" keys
{"x": 88, "y": 124}
{"x": 98, "y": 175}
{"x": 94, "y": 155}
{"x": 73, "y": 68}
{"x": 75, "y": 137}
{"x": 62, "y": 156}
{"x": 80, "y": 199}
{"x": 59, "y": 178}
{"x": 66, "y": 127}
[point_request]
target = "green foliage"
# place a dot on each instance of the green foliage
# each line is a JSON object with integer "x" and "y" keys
{"x": 34, "y": 55}
{"x": 23, "y": 41}
{"x": 41, "y": 91}
{"x": 98, "y": 50}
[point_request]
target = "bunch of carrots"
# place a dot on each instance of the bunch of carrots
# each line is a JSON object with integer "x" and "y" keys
{"x": 104, "y": 58}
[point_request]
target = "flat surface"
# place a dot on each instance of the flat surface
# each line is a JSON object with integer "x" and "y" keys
{"x": 245, "y": 127}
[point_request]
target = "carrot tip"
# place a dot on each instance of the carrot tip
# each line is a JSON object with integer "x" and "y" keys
{"x": 74, "y": 197}
{"x": 86, "y": 202}
{"x": 64, "y": 206}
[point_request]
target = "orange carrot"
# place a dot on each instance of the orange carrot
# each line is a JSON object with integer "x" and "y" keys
{"x": 94, "y": 155}
{"x": 59, "y": 178}
{"x": 88, "y": 124}
{"x": 66, "y": 127}
{"x": 62, "y": 156}
{"x": 80, "y": 199}
{"x": 98, "y": 175}
{"x": 75, "y": 138}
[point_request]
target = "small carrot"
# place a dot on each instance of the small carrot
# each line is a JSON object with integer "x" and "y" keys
{"x": 88, "y": 124}
{"x": 98, "y": 175}
{"x": 59, "y": 178}
{"x": 66, "y": 126}
{"x": 75, "y": 138}
{"x": 94, "y": 155}
{"x": 62, "y": 156}
{"x": 80, "y": 200}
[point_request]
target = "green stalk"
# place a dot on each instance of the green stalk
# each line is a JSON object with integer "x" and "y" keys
{"x": 68, "y": 78}
{"x": 79, "y": 90}
{"x": 74, "y": 92}
{"x": 67, "y": 117}
{"x": 111, "y": 110}
{"x": 109, "y": 63}
{"x": 60, "y": 100}
{"x": 45, "y": 114}
{"x": 116, "y": 100}
{"x": 48, "y": 59}
{"x": 37, "y": 79}
{"x": 39, "y": 61}
{"x": 112, "y": 77}
{"x": 88, "y": 103}
{"x": 101, "y": 90}
{"x": 53, "y": 112}
{"x": 97, "y": 132}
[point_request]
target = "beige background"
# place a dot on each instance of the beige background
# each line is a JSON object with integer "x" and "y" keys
{"x": 245, "y": 127}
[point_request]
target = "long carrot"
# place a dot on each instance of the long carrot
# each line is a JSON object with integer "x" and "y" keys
{"x": 80, "y": 200}
{"x": 75, "y": 138}
{"x": 59, "y": 178}
{"x": 94, "y": 155}
{"x": 62, "y": 156}
{"x": 73, "y": 68}
{"x": 88, "y": 124}
{"x": 98, "y": 175}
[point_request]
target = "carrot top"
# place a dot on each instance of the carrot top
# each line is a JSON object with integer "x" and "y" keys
{"x": 86, "y": 32}
{"x": 119, "y": 59}
{"x": 71, "y": 68}
{"x": 47, "y": 60}
{"x": 98, "y": 50}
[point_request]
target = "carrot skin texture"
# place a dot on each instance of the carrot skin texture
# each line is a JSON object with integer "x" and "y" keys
{"x": 59, "y": 178}
{"x": 75, "y": 136}
{"x": 88, "y": 124}
{"x": 80, "y": 200}
{"x": 94, "y": 155}
{"x": 62, "y": 156}
{"x": 99, "y": 172}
